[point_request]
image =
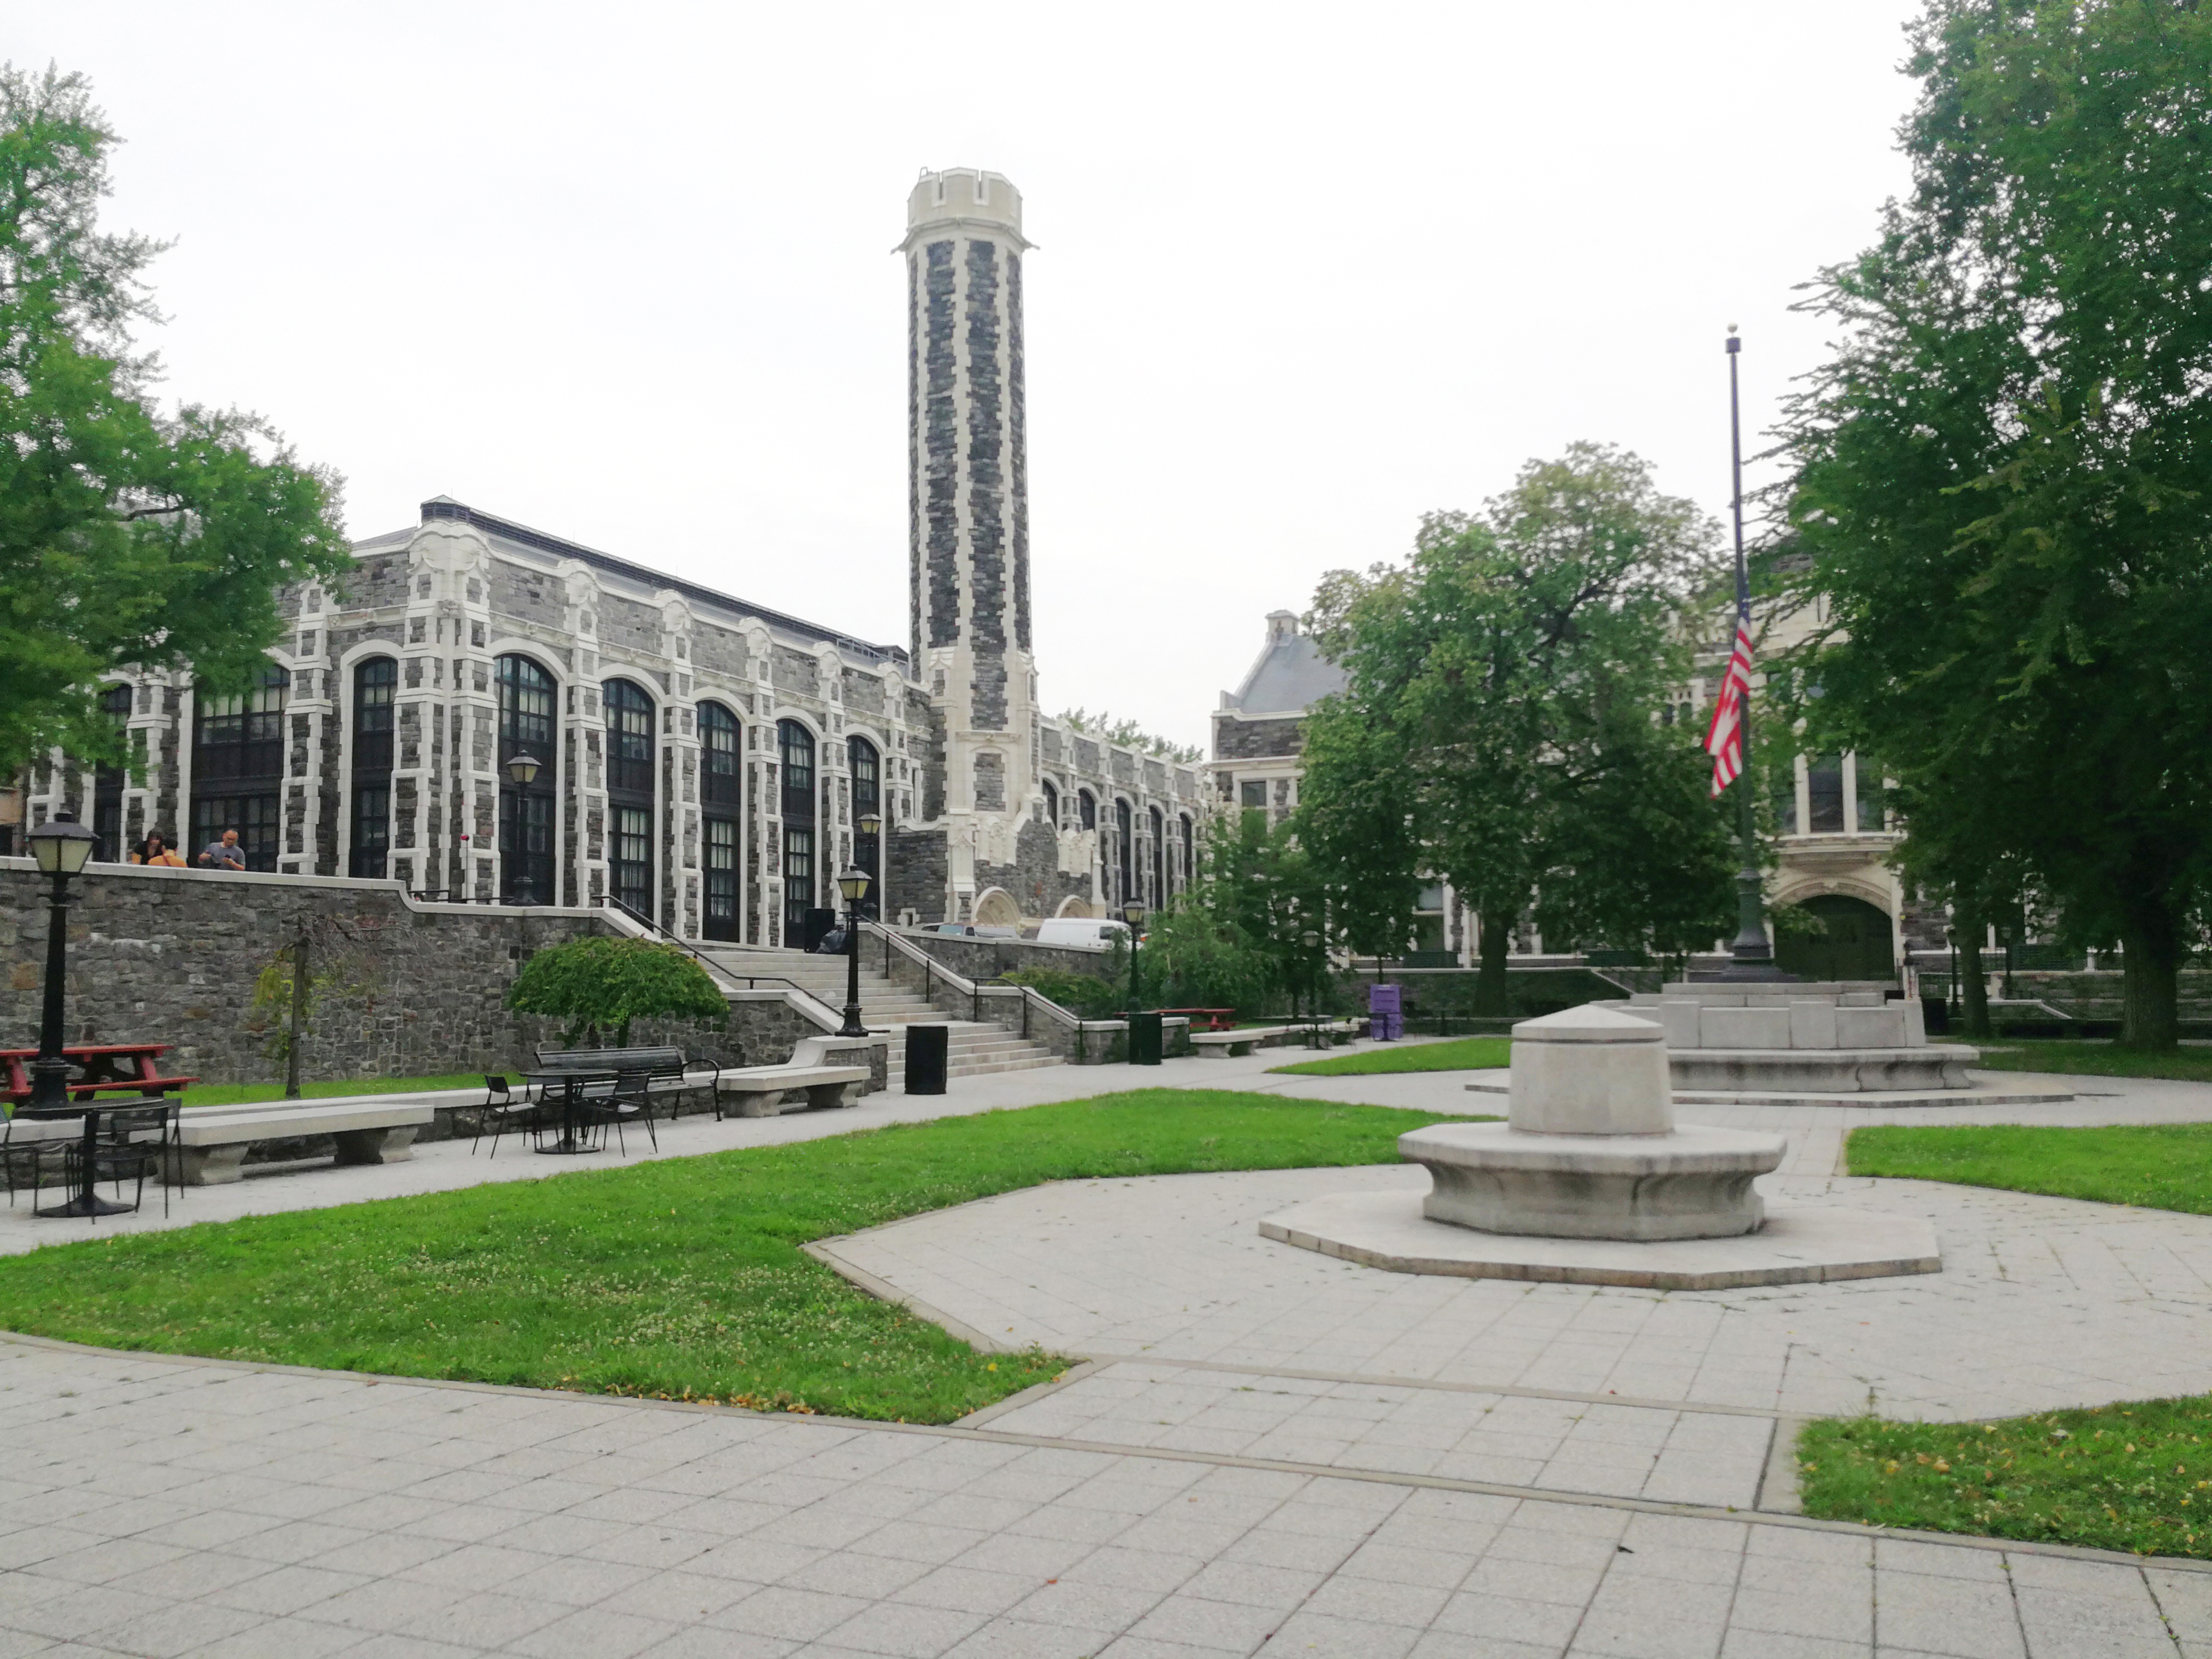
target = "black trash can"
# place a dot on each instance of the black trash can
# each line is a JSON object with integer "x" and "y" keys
{"x": 926, "y": 1046}
{"x": 1143, "y": 1039}
{"x": 1935, "y": 1015}
{"x": 818, "y": 924}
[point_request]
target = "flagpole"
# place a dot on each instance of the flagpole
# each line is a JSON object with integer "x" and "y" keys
{"x": 1750, "y": 954}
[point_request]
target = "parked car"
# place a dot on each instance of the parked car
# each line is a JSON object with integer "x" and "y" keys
{"x": 970, "y": 930}
{"x": 1091, "y": 932}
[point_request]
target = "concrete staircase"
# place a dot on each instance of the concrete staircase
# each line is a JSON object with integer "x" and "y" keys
{"x": 973, "y": 1049}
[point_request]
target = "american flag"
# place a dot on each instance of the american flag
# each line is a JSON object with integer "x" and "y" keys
{"x": 1724, "y": 738}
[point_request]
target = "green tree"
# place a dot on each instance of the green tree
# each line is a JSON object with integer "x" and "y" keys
{"x": 2000, "y": 475}
{"x": 127, "y": 537}
{"x": 597, "y": 985}
{"x": 1501, "y": 726}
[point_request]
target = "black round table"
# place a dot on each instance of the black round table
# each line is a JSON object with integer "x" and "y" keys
{"x": 87, "y": 1202}
{"x": 575, "y": 1128}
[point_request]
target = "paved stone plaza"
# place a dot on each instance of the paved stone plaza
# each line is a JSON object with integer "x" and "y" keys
{"x": 1271, "y": 1452}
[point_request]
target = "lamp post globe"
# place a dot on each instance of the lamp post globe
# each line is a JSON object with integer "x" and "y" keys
{"x": 854, "y": 883}
{"x": 60, "y": 847}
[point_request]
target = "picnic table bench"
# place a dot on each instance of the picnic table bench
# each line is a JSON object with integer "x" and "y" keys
{"x": 1217, "y": 1019}
{"x": 97, "y": 1069}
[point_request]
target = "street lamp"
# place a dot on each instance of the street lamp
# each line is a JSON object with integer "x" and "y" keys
{"x": 1309, "y": 939}
{"x": 60, "y": 845}
{"x": 853, "y": 881}
{"x": 523, "y": 769}
{"x": 870, "y": 825}
{"x": 1132, "y": 912}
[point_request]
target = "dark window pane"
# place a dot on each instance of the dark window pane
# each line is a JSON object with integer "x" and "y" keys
{"x": 526, "y": 711}
{"x": 1824, "y": 788}
{"x": 1873, "y": 807}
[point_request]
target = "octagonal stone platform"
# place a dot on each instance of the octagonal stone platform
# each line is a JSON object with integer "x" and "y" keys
{"x": 1797, "y": 1245}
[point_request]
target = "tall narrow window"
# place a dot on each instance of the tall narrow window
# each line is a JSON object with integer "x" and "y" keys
{"x": 1125, "y": 849}
{"x": 237, "y": 767}
{"x": 1873, "y": 813}
{"x": 867, "y": 797}
{"x": 528, "y": 716}
{"x": 1189, "y": 850}
{"x": 1159, "y": 860}
{"x": 1086, "y": 809}
{"x": 1824, "y": 793}
{"x": 1051, "y": 804}
{"x": 375, "y": 683}
{"x": 107, "y": 782}
{"x": 795, "y": 748}
{"x": 629, "y": 792}
{"x": 721, "y": 791}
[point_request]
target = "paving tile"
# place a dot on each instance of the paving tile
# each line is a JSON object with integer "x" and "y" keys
{"x": 800, "y": 1616}
{"x": 593, "y": 1633}
{"x": 1321, "y": 1636}
{"x": 905, "y": 1631}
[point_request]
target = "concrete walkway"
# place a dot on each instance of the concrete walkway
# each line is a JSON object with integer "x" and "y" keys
{"x": 1273, "y": 1454}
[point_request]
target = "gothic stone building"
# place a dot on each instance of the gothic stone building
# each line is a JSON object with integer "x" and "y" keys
{"x": 701, "y": 759}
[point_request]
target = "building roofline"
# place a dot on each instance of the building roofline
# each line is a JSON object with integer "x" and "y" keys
{"x": 446, "y": 509}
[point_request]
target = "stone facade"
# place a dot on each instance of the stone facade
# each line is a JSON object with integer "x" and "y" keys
{"x": 171, "y": 956}
{"x": 663, "y": 716}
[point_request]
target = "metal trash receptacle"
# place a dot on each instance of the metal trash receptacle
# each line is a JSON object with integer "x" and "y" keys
{"x": 1145, "y": 1039}
{"x": 816, "y": 928}
{"x": 926, "y": 1048}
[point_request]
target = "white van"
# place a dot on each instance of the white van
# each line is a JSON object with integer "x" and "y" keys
{"x": 1093, "y": 932}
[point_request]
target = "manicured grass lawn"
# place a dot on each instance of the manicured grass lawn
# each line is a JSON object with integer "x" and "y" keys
{"x": 680, "y": 1278}
{"x": 2159, "y": 1166}
{"x": 238, "y": 1094}
{"x": 2091, "y": 1059}
{"x": 2135, "y": 1477}
{"x": 1459, "y": 1055}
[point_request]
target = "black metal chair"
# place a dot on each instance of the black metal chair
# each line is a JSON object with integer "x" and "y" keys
{"x": 629, "y": 1100}
{"x": 31, "y": 1162}
{"x": 129, "y": 1143}
{"x": 505, "y": 1112}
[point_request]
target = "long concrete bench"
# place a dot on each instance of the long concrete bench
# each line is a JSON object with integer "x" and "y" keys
{"x": 212, "y": 1140}
{"x": 1221, "y": 1045}
{"x": 759, "y": 1090}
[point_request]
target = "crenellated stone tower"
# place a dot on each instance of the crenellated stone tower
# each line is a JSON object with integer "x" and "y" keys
{"x": 967, "y": 538}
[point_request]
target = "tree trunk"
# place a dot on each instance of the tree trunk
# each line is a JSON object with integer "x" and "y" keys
{"x": 299, "y": 1026}
{"x": 1973, "y": 987}
{"x": 1489, "y": 973}
{"x": 2150, "y": 962}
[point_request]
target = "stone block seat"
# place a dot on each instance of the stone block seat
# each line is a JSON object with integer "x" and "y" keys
{"x": 808, "y": 1074}
{"x": 212, "y": 1140}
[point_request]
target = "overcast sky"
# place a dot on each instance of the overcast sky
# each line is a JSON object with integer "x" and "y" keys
{"x": 624, "y": 273}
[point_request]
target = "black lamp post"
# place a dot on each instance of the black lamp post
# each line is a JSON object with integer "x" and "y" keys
{"x": 523, "y": 769}
{"x": 1309, "y": 939}
{"x": 853, "y": 881}
{"x": 61, "y": 845}
{"x": 1132, "y": 912}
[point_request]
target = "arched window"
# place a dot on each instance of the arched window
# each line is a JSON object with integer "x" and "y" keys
{"x": 237, "y": 767}
{"x": 629, "y": 792}
{"x": 1125, "y": 851}
{"x": 529, "y": 711}
{"x": 1086, "y": 808}
{"x": 721, "y": 793}
{"x": 1189, "y": 850}
{"x": 867, "y": 797}
{"x": 1051, "y": 804}
{"x": 375, "y": 684}
{"x": 107, "y": 781}
{"x": 795, "y": 747}
{"x": 1159, "y": 860}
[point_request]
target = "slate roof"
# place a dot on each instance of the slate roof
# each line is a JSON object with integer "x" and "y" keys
{"x": 1290, "y": 675}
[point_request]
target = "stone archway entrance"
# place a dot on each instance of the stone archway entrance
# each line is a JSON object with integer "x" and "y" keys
{"x": 1859, "y": 942}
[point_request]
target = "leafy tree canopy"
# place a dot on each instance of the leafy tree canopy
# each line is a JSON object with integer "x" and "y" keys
{"x": 602, "y": 984}
{"x": 1128, "y": 734}
{"x": 1502, "y": 722}
{"x": 127, "y": 537}
{"x": 2000, "y": 490}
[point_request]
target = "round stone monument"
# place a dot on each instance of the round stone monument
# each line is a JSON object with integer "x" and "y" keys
{"x": 1591, "y": 1181}
{"x": 1590, "y": 1149}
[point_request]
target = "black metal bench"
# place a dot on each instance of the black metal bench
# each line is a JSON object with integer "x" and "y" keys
{"x": 667, "y": 1069}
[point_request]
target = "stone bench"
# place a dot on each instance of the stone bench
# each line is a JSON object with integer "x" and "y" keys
{"x": 1222, "y": 1045}
{"x": 759, "y": 1090}
{"x": 212, "y": 1140}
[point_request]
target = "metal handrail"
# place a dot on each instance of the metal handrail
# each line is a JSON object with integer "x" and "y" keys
{"x": 752, "y": 981}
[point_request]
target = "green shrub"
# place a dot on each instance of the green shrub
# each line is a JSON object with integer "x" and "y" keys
{"x": 596, "y": 984}
{"x": 1082, "y": 995}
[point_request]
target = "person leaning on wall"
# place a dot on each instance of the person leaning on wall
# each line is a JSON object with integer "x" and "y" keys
{"x": 156, "y": 849}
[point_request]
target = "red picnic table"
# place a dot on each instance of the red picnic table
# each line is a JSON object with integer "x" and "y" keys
{"x": 1217, "y": 1019}
{"x": 95, "y": 1069}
